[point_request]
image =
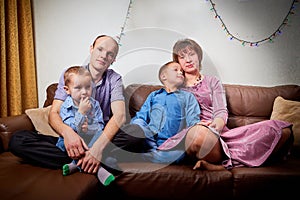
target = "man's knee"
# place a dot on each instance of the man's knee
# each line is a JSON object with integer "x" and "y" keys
{"x": 15, "y": 141}
{"x": 131, "y": 138}
{"x": 133, "y": 130}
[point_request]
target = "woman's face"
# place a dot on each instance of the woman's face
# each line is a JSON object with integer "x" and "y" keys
{"x": 188, "y": 60}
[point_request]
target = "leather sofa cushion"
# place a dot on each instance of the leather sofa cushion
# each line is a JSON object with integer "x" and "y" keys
{"x": 37, "y": 182}
{"x": 141, "y": 179}
{"x": 279, "y": 180}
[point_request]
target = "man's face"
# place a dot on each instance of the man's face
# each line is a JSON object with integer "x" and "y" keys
{"x": 103, "y": 53}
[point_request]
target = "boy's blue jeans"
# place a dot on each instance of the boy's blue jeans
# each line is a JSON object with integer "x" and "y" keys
{"x": 154, "y": 155}
{"x": 158, "y": 156}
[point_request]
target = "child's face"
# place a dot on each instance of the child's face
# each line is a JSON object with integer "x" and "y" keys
{"x": 80, "y": 87}
{"x": 174, "y": 75}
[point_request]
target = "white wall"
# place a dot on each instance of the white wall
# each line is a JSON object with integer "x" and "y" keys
{"x": 65, "y": 29}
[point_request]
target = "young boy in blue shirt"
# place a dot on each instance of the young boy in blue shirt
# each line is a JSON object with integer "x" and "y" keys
{"x": 166, "y": 112}
{"x": 83, "y": 113}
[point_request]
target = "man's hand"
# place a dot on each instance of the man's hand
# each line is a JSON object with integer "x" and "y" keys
{"x": 91, "y": 161}
{"x": 89, "y": 164}
{"x": 75, "y": 145}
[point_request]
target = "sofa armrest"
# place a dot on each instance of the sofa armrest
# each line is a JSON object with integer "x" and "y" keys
{"x": 50, "y": 94}
{"x": 8, "y": 125}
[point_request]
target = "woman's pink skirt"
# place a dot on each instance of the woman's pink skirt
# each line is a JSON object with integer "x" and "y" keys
{"x": 251, "y": 145}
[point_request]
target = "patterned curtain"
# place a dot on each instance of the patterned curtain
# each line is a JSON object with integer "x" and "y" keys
{"x": 18, "y": 72}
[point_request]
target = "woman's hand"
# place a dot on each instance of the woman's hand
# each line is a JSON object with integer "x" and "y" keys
{"x": 204, "y": 122}
{"x": 218, "y": 124}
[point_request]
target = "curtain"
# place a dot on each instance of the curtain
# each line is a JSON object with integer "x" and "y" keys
{"x": 18, "y": 71}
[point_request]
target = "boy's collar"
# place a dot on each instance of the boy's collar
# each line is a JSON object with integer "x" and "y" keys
{"x": 168, "y": 91}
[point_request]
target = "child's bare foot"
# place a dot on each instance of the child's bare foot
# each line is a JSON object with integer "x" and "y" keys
{"x": 202, "y": 164}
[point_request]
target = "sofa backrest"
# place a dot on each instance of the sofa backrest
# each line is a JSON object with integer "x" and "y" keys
{"x": 250, "y": 104}
{"x": 246, "y": 104}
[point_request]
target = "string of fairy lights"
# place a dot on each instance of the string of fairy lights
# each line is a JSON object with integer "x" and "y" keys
{"x": 269, "y": 38}
{"x": 119, "y": 37}
{"x": 231, "y": 36}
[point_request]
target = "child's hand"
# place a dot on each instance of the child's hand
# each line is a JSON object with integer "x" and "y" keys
{"x": 84, "y": 105}
{"x": 84, "y": 127}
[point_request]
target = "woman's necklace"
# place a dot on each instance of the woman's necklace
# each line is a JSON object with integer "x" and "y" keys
{"x": 194, "y": 82}
{"x": 198, "y": 79}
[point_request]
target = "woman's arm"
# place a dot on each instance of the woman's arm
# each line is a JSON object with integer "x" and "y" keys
{"x": 220, "y": 112}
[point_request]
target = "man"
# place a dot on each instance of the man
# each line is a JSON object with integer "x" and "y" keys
{"x": 41, "y": 150}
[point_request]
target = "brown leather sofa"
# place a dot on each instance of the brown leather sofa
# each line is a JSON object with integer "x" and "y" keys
{"x": 246, "y": 104}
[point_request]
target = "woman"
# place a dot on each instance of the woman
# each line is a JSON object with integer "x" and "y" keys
{"x": 212, "y": 142}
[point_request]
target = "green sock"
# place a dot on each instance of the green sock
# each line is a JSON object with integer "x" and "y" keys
{"x": 69, "y": 169}
{"x": 104, "y": 176}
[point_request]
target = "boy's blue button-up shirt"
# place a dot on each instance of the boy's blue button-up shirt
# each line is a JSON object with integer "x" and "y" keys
{"x": 165, "y": 114}
{"x": 70, "y": 116}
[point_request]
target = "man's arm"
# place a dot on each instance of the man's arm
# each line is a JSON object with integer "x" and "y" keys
{"x": 90, "y": 163}
{"x": 73, "y": 143}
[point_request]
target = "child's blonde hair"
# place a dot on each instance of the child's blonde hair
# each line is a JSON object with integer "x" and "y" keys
{"x": 75, "y": 70}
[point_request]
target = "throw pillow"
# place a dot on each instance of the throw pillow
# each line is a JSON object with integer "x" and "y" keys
{"x": 287, "y": 110}
{"x": 39, "y": 118}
